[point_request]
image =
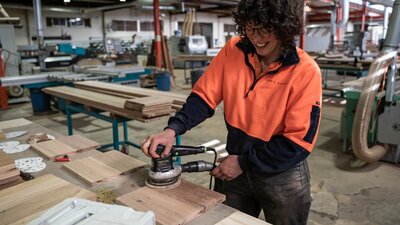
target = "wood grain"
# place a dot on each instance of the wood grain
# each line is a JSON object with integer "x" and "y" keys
{"x": 79, "y": 143}
{"x": 187, "y": 201}
{"x": 14, "y": 123}
{"x": 90, "y": 170}
{"x": 239, "y": 218}
{"x": 8, "y": 174}
{"x": 53, "y": 148}
{"x": 120, "y": 161}
{"x": 21, "y": 203}
{"x": 6, "y": 162}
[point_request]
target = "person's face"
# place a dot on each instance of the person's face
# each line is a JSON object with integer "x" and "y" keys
{"x": 264, "y": 41}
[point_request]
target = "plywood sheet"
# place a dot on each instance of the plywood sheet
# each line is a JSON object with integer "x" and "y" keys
{"x": 6, "y": 162}
{"x": 147, "y": 102}
{"x": 239, "y": 218}
{"x": 120, "y": 161}
{"x": 53, "y": 148}
{"x": 91, "y": 170}
{"x": 14, "y": 123}
{"x": 79, "y": 142}
{"x": 26, "y": 201}
{"x": 187, "y": 201}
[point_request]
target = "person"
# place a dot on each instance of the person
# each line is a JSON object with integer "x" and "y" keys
{"x": 271, "y": 93}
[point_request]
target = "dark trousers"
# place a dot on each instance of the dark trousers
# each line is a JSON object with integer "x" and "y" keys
{"x": 285, "y": 197}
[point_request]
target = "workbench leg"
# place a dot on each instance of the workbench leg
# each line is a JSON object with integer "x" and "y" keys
{"x": 184, "y": 72}
{"x": 125, "y": 131}
{"x": 69, "y": 120}
{"x": 115, "y": 135}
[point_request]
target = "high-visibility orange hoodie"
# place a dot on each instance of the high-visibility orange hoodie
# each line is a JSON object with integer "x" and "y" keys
{"x": 272, "y": 116}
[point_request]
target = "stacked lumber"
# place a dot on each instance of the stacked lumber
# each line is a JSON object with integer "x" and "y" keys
{"x": 92, "y": 170}
{"x": 132, "y": 92}
{"x": 150, "y": 106}
{"x": 102, "y": 101}
{"x": 8, "y": 170}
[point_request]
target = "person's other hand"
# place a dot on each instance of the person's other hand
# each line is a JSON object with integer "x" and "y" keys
{"x": 228, "y": 169}
{"x": 165, "y": 138}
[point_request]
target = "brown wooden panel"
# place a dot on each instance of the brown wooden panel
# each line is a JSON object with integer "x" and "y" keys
{"x": 91, "y": 170}
{"x": 6, "y": 162}
{"x": 21, "y": 203}
{"x": 239, "y": 218}
{"x": 120, "y": 161}
{"x": 53, "y": 148}
{"x": 79, "y": 142}
{"x": 187, "y": 201}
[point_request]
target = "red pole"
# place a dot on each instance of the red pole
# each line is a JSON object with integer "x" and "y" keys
{"x": 338, "y": 20}
{"x": 157, "y": 33}
{"x": 364, "y": 11}
{"x": 3, "y": 91}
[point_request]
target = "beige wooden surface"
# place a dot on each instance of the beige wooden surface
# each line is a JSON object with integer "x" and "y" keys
{"x": 79, "y": 142}
{"x": 239, "y": 218}
{"x": 53, "y": 148}
{"x": 91, "y": 170}
{"x": 14, "y": 123}
{"x": 146, "y": 102}
{"x": 187, "y": 201}
{"x": 120, "y": 161}
{"x": 24, "y": 202}
{"x": 6, "y": 162}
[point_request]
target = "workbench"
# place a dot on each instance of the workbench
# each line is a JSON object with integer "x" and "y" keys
{"x": 119, "y": 185}
{"x": 191, "y": 59}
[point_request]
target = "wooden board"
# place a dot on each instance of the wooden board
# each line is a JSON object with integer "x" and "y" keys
{"x": 6, "y": 162}
{"x": 120, "y": 161}
{"x": 14, "y": 123}
{"x": 239, "y": 218}
{"x": 26, "y": 201}
{"x": 52, "y": 149}
{"x": 79, "y": 142}
{"x": 178, "y": 205}
{"x": 147, "y": 102}
{"x": 90, "y": 170}
{"x": 8, "y": 174}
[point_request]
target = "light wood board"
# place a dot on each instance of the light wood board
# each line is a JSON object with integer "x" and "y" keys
{"x": 239, "y": 218}
{"x": 14, "y": 123}
{"x": 79, "y": 142}
{"x": 8, "y": 174}
{"x": 52, "y": 149}
{"x": 147, "y": 102}
{"x": 6, "y": 162}
{"x": 26, "y": 201}
{"x": 90, "y": 170}
{"x": 120, "y": 161}
{"x": 174, "y": 206}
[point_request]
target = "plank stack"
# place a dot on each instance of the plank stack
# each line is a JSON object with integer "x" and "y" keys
{"x": 8, "y": 171}
{"x": 150, "y": 106}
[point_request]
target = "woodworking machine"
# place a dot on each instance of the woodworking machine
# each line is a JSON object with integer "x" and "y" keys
{"x": 165, "y": 173}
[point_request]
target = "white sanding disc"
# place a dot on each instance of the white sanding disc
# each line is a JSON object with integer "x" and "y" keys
{"x": 18, "y": 148}
{"x": 30, "y": 165}
{"x": 9, "y": 144}
{"x": 15, "y": 134}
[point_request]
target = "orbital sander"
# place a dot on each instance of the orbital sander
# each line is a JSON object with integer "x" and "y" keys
{"x": 165, "y": 172}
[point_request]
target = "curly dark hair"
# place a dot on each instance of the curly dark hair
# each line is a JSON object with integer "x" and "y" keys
{"x": 284, "y": 17}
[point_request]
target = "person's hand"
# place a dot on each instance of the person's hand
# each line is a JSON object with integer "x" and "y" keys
{"x": 228, "y": 169}
{"x": 165, "y": 138}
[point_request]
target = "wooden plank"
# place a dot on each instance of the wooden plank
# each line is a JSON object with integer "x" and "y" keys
{"x": 188, "y": 201}
{"x": 144, "y": 102}
{"x": 239, "y": 218}
{"x": 6, "y": 162}
{"x": 53, "y": 148}
{"x": 120, "y": 161}
{"x": 129, "y": 90}
{"x": 21, "y": 203}
{"x": 101, "y": 101}
{"x": 14, "y": 123}
{"x": 167, "y": 209}
{"x": 79, "y": 142}
{"x": 7, "y": 174}
{"x": 90, "y": 170}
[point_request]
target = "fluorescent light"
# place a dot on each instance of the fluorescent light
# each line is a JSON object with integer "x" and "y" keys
{"x": 122, "y": 0}
{"x": 66, "y": 1}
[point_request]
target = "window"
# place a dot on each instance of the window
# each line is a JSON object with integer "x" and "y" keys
{"x": 148, "y": 26}
{"x": 230, "y": 28}
{"x": 121, "y": 25}
{"x": 67, "y": 22}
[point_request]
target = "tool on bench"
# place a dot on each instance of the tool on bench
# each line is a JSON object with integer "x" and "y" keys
{"x": 64, "y": 158}
{"x": 164, "y": 172}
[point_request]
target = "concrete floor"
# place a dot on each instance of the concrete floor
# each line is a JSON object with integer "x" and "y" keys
{"x": 343, "y": 194}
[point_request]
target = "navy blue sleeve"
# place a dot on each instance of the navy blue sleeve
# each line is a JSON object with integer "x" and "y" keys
{"x": 275, "y": 156}
{"x": 193, "y": 112}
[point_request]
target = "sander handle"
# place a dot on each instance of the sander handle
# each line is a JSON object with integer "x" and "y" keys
{"x": 180, "y": 150}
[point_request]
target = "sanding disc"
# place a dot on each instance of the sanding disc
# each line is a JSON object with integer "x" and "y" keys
{"x": 16, "y": 149}
{"x": 9, "y": 144}
{"x": 15, "y": 134}
{"x": 162, "y": 186}
{"x": 30, "y": 164}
